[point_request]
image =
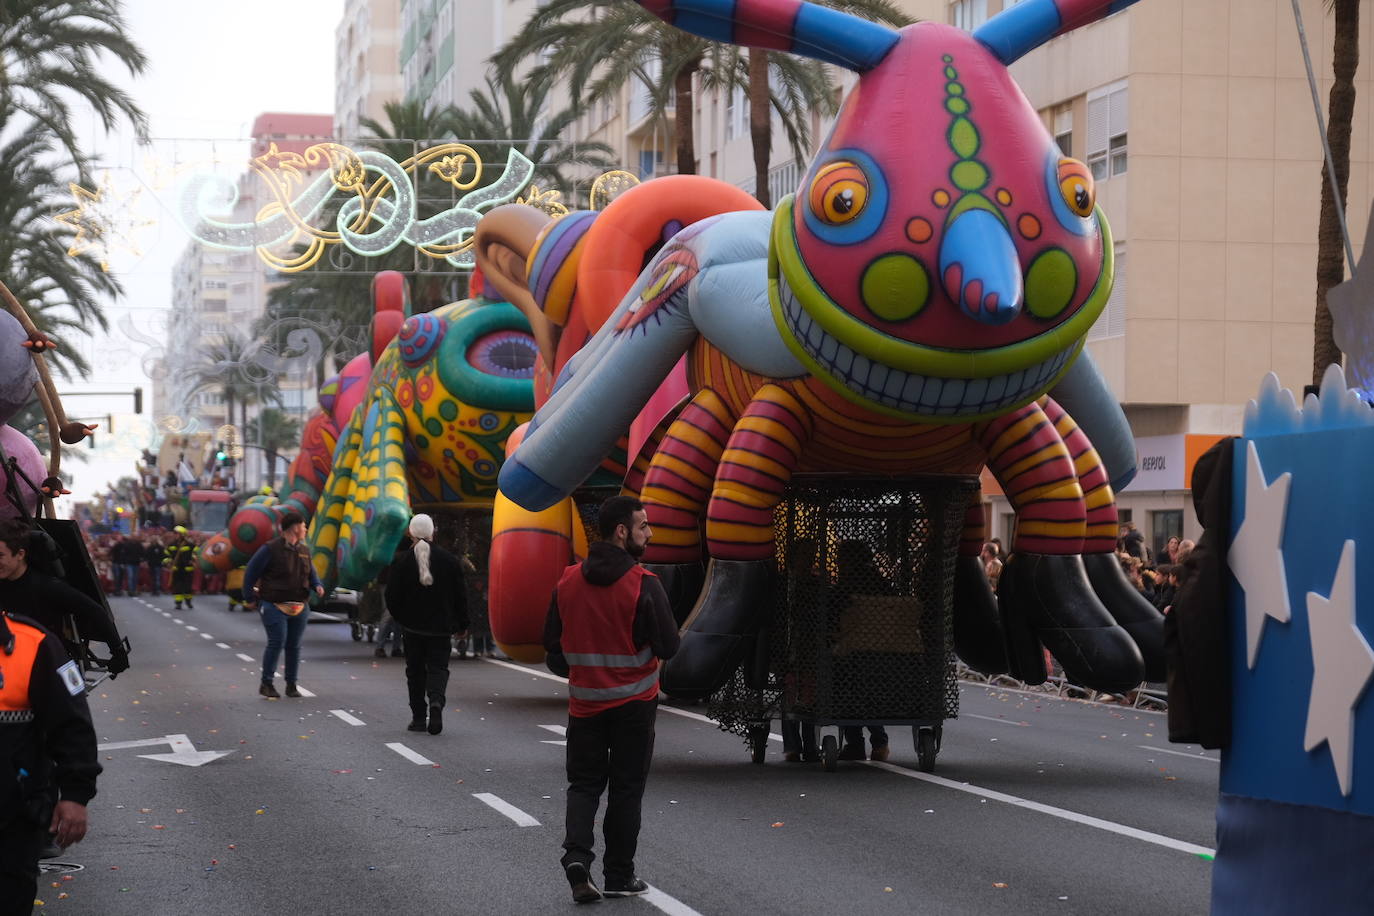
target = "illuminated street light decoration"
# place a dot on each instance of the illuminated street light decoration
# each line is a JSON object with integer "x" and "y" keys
{"x": 381, "y": 214}
{"x": 103, "y": 218}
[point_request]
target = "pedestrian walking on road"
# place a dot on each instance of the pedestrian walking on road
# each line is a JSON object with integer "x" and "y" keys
{"x": 426, "y": 596}
{"x": 47, "y": 753}
{"x": 280, "y": 578}
{"x": 608, "y": 625}
{"x": 181, "y": 560}
{"x": 153, "y": 555}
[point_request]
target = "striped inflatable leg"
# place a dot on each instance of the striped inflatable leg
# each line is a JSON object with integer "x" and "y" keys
{"x": 680, "y": 477}
{"x": 1033, "y": 465}
{"x": 763, "y": 451}
{"x": 634, "y": 477}
{"x": 1092, "y": 477}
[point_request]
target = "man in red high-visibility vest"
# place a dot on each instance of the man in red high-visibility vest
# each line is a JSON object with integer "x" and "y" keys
{"x": 608, "y": 625}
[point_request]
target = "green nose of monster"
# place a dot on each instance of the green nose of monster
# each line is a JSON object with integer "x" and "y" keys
{"x": 979, "y": 268}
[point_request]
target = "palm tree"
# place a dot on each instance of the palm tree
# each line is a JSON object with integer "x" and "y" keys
{"x": 1345, "y": 58}
{"x": 275, "y": 430}
{"x": 802, "y": 86}
{"x": 511, "y": 113}
{"x": 600, "y": 46}
{"x": 62, "y": 293}
{"x": 51, "y": 50}
{"x": 227, "y": 365}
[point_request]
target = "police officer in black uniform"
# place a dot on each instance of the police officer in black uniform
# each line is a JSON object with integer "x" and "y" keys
{"x": 48, "y": 762}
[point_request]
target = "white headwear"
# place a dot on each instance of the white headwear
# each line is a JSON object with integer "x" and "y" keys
{"x": 422, "y": 529}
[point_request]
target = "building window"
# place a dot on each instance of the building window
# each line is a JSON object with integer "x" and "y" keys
{"x": 968, "y": 14}
{"x": 1165, "y": 524}
{"x": 1107, "y": 131}
{"x": 736, "y": 114}
{"x": 1112, "y": 321}
{"x": 1063, "y": 130}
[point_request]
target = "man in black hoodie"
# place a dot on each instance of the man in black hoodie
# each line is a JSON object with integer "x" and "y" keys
{"x": 609, "y": 623}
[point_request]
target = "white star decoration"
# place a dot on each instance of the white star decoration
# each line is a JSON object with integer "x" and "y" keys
{"x": 1256, "y": 556}
{"x": 1342, "y": 664}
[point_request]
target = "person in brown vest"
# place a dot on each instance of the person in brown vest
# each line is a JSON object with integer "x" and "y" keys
{"x": 48, "y": 764}
{"x": 281, "y": 575}
{"x": 608, "y": 625}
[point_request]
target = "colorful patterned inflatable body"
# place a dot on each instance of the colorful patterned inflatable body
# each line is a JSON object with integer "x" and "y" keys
{"x": 905, "y": 313}
{"x": 258, "y": 520}
{"x": 430, "y": 432}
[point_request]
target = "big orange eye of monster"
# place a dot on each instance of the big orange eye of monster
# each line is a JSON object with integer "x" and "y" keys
{"x": 839, "y": 193}
{"x": 1076, "y": 184}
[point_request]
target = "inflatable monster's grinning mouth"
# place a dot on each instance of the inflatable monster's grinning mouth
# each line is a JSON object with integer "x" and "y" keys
{"x": 910, "y": 392}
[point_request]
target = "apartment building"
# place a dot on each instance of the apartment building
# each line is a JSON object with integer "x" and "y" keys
{"x": 445, "y": 45}
{"x": 218, "y": 292}
{"x": 367, "y": 74}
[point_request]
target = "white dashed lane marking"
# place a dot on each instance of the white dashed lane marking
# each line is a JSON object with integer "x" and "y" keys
{"x": 350, "y": 719}
{"x": 1165, "y": 750}
{"x": 221, "y": 645}
{"x": 206, "y": 636}
{"x": 521, "y": 818}
{"x": 412, "y": 756}
{"x": 304, "y": 692}
{"x": 241, "y": 656}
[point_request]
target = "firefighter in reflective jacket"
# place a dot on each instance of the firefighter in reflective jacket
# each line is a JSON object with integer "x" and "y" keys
{"x": 609, "y": 623}
{"x": 181, "y": 560}
{"x": 48, "y": 762}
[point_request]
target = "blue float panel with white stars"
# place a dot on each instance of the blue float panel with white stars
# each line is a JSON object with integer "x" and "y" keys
{"x": 1295, "y": 822}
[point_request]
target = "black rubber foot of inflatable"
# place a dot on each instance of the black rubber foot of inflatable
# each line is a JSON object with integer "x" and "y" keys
{"x": 682, "y": 582}
{"x": 733, "y": 606}
{"x": 1053, "y": 597}
{"x": 978, "y": 637}
{"x": 1130, "y": 610}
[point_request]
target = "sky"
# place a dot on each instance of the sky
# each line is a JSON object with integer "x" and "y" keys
{"x": 212, "y": 68}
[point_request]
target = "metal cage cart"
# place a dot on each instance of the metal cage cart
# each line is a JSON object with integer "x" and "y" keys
{"x": 861, "y": 631}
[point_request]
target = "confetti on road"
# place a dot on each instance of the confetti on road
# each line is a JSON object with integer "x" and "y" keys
{"x": 999, "y": 884}
{"x": 777, "y": 824}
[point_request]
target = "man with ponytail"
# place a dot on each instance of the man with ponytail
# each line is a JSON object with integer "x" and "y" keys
{"x": 425, "y": 594}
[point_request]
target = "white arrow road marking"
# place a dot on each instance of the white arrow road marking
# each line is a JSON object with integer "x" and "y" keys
{"x": 304, "y": 692}
{"x": 410, "y": 755}
{"x": 247, "y": 658}
{"x": 183, "y": 751}
{"x": 1165, "y": 750}
{"x": 521, "y": 818}
{"x": 350, "y": 719}
{"x": 556, "y": 729}
{"x": 221, "y": 645}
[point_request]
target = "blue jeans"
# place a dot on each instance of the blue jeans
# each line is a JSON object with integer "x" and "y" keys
{"x": 128, "y": 578}
{"x": 282, "y": 629}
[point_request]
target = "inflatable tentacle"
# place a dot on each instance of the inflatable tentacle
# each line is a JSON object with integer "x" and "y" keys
{"x": 633, "y": 481}
{"x": 760, "y": 457}
{"x": 378, "y": 507}
{"x": 1022, "y": 28}
{"x": 975, "y": 532}
{"x": 680, "y": 475}
{"x": 1101, "y": 520}
{"x": 324, "y": 527}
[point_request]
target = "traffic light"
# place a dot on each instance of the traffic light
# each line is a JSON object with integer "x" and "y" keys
{"x": 220, "y": 453}
{"x": 138, "y": 400}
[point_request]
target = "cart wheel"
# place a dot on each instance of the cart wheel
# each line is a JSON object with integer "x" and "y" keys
{"x": 371, "y": 632}
{"x": 830, "y": 753}
{"x": 927, "y": 746}
{"x": 357, "y": 632}
{"x": 758, "y": 742}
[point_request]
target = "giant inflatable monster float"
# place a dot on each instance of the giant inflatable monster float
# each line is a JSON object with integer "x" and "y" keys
{"x": 428, "y": 435}
{"x": 257, "y": 521}
{"x": 904, "y": 313}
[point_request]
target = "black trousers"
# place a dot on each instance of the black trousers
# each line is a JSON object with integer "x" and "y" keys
{"x": 20, "y": 843}
{"x": 426, "y": 671}
{"x": 614, "y": 747}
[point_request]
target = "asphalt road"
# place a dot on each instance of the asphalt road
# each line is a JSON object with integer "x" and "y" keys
{"x": 328, "y": 805}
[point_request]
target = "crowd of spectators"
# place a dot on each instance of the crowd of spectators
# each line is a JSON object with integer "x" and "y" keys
{"x": 134, "y": 564}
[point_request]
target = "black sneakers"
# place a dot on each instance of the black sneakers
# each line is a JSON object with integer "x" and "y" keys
{"x": 291, "y": 691}
{"x": 436, "y": 719}
{"x": 631, "y": 887}
{"x": 583, "y": 890}
{"x": 416, "y": 725}
{"x": 269, "y": 691}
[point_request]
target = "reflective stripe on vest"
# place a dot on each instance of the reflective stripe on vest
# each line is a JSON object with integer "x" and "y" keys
{"x": 605, "y": 667}
{"x": 17, "y": 667}
{"x": 610, "y": 661}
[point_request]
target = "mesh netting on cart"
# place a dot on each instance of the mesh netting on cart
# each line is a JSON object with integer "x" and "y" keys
{"x": 861, "y": 628}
